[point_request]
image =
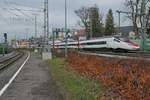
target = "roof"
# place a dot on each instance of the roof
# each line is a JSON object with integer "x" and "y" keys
{"x": 125, "y": 29}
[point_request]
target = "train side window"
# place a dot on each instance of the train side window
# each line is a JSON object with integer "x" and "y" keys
{"x": 116, "y": 40}
{"x": 97, "y": 43}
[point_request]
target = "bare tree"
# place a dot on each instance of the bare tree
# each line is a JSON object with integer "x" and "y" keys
{"x": 133, "y": 7}
{"x": 83, "y": 14}
{"x": 148, "y": 22}
{"x": 136, "y": 8}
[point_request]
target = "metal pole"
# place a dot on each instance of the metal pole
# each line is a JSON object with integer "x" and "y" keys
{"x": 35, "y": 27}
{"x": 143, "y": 24}
{"x": 46, "y": 26}
{"x": 3, "y": 50}
{"x": 46, "y": 54}
{"x": 53, "y": 39}
{"x": 118, "y": 20}
{"x": 44, "y": 18}
{"x": 47, "y": 19}
{"x": 44, "y": 36}
{"x": 27, "y": 31}
{"x": 66, "y": 51}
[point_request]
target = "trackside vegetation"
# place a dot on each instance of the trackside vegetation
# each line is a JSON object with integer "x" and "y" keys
{"x": 71, "y": 84}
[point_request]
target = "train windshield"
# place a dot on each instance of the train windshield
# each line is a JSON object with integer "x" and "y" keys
{"x": 124, "y": 39}
{"x": 127, "y": 40}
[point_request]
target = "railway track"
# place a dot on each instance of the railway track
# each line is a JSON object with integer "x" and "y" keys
{"x": 5, "y": 61}
{"x": 132, "y": 55}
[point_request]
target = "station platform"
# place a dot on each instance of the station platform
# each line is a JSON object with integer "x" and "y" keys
{"x": 34, "y": 82}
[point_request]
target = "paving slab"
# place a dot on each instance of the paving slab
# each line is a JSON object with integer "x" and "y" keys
{"x": 34, "y": 82}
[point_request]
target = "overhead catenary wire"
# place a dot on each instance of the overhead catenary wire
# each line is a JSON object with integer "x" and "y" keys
{"x": 20, "y": 10}
{"x": 10, "y": 12}
{"x": 24, "y": 14}
{"x": 15, "y": 12}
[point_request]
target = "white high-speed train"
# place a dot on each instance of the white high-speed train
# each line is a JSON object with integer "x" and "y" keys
{"x": 115, "y": 43}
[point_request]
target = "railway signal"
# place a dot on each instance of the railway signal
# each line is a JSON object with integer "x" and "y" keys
{"x": 4, "y": 44}
{"x": 5, "y": 38}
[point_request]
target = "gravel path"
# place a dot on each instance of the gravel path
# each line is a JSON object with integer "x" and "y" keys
{"x": 34, "y": 82}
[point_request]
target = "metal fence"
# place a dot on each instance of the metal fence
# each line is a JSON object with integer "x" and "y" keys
{"x": 145, "y": 45}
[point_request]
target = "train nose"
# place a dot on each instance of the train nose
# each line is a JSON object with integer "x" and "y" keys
{"x": 134, "y": 45}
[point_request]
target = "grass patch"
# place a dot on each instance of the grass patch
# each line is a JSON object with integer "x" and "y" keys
{"x": 74, "y": 86}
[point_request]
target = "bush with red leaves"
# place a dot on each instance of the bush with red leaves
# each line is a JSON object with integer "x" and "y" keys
{"x": 126, "y": 79}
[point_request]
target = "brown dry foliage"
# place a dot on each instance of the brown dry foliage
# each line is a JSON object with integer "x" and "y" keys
{"x": 126, "y": 79}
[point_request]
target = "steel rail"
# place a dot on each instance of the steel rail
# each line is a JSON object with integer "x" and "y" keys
{"x": 9, "y": 60}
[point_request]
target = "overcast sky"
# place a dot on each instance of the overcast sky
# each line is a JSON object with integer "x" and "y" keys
{"x": 16, "y": 23}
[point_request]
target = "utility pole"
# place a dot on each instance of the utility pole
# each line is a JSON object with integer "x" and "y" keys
{"x": 143, "y": 9}
{"x": 46, "y": 23}
{"x": 45, "y": 20}
{"x": 35, "y": 26}
{"x": 66, "y": 49}
{"x": 118, "y": 20}
{"x": 27, "y": 32}
{"x": 46, "y": 54}
{"x": 53, "y": 38}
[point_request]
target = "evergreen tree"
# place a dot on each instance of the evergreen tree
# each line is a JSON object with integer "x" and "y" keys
{"x": 109, "y": 25}
{"x": 95, "y": 22}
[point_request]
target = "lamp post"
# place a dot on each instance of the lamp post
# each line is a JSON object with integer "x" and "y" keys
{"x": 66, "y": 51}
